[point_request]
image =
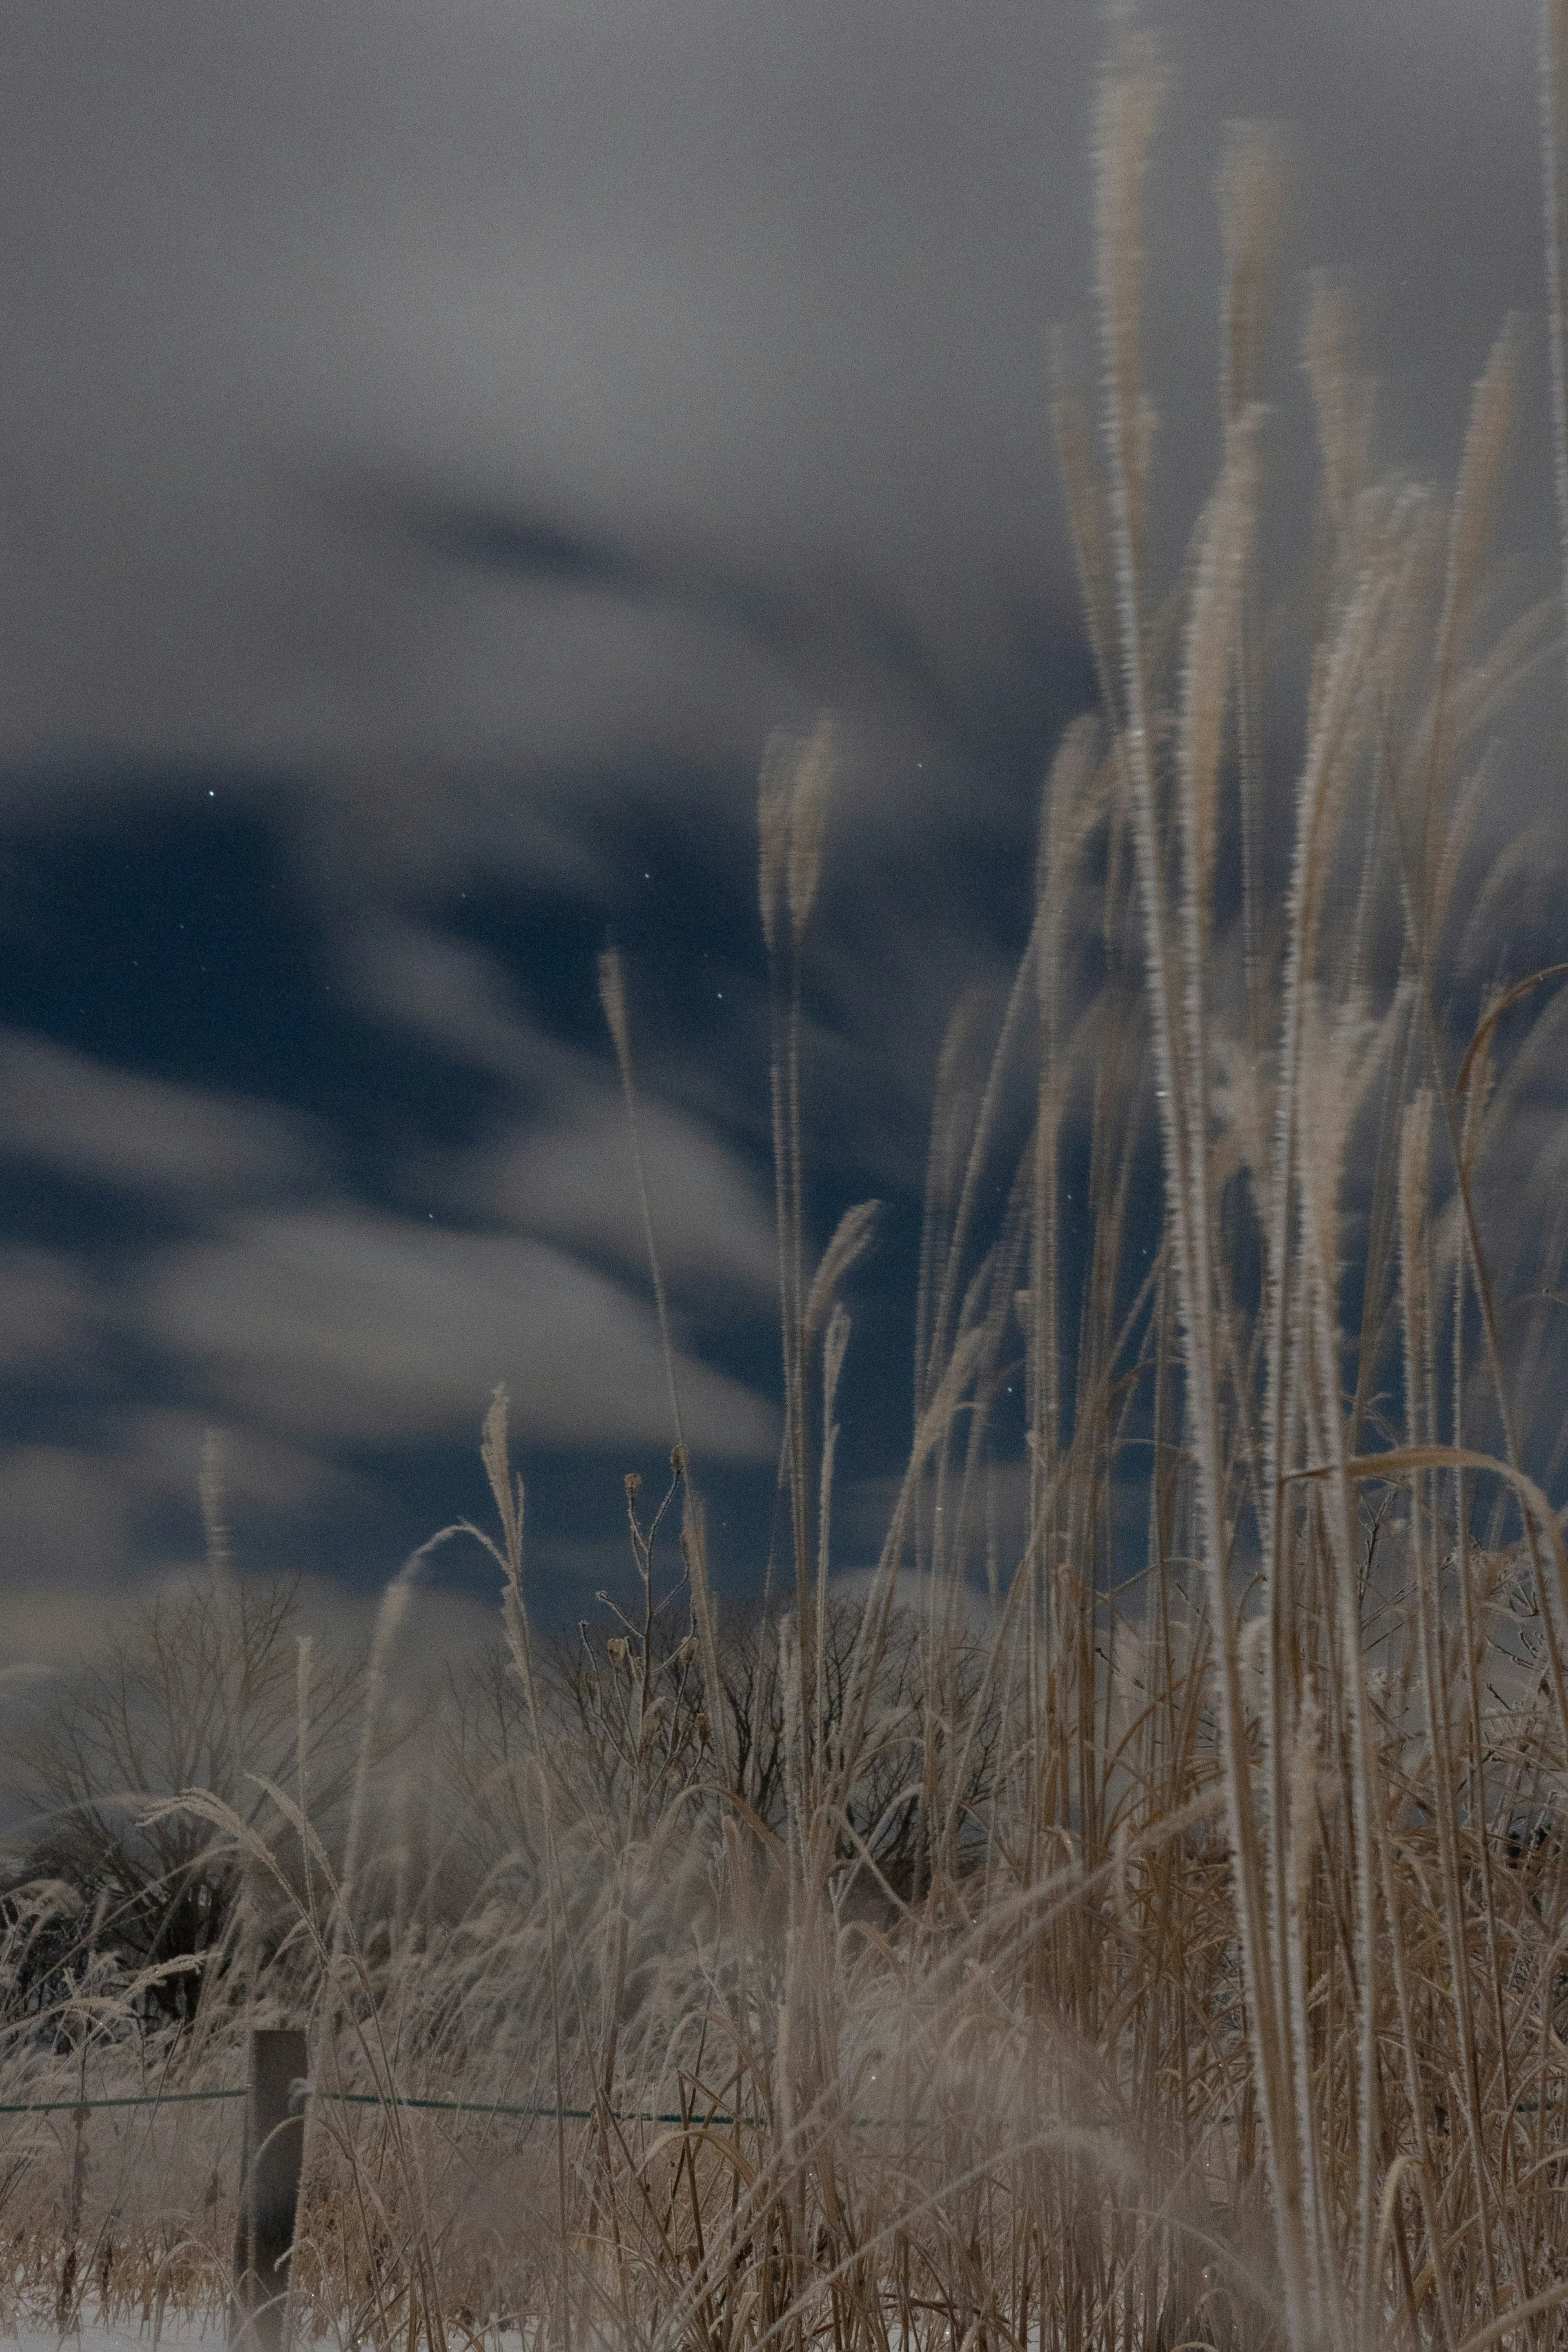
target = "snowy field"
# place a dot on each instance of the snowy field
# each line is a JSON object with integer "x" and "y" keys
{"x": 174, "y": 2338}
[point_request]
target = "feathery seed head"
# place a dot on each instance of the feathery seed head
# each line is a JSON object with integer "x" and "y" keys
{"x": 816, "y": 767}
{"x": 613, "y": 998}
{"x": 774, "y": 792}
{"x": 1252, "y": 189}
{"x": 1210, "y": 657}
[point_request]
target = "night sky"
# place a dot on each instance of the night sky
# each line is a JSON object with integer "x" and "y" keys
{"x": 438, "y": 441}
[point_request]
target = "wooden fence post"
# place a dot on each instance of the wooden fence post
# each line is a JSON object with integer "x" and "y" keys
{"x": 269, "y": 2190}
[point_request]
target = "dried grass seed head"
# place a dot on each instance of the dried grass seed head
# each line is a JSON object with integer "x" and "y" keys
{"x": 1210, "y": 653}
{"x": 1341, "y": 399}
{"x": 775, "y": 794}
{"x": 1126, "y": 115}
{"x": 814, "y": 772}
{"x": 613, "y": 998}
{"x": 1252, "y": 186}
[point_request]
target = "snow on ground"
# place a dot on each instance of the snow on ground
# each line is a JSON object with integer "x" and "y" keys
{"x": 176, "y": 2336}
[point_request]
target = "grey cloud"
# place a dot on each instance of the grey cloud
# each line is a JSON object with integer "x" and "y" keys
{"x": 64, "y": 1111}
{"x": 67, "y": 1517}
{"x": 262, "y": 1474}
{"x": 767, "y": 287}
{"x": 455, "y": 994}
{"x": 574, "y": 1182}
{"x": 353, "y": 1327}
{"x": 75, "y": 1514}
{"x": 45, "y": 1626}
{"x": 46, "y": 1311}
{"x": 567, "y": 1173}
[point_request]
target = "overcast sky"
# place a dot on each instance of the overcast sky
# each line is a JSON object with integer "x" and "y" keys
{"x": 439, "y": 440}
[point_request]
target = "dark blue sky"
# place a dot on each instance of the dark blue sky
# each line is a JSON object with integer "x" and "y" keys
{"x": 439, "y": 442}
{"x": 219, "y": 1082}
